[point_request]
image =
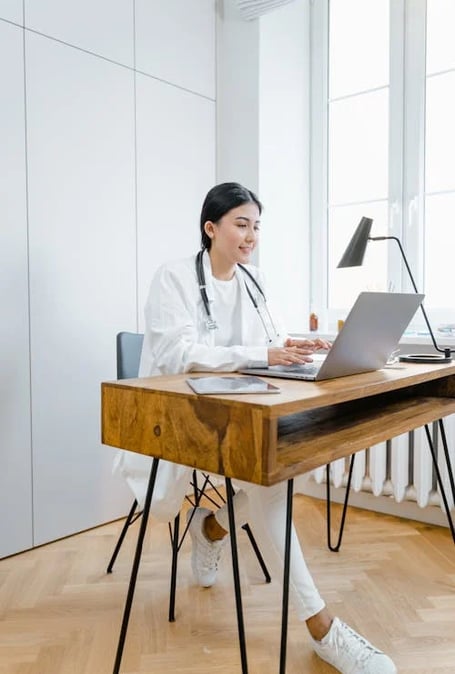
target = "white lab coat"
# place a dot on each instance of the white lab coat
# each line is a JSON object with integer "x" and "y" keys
{"x": 177, "y": 339}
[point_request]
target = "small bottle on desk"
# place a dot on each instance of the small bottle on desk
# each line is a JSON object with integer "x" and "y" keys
{"x": 314, "y": 322}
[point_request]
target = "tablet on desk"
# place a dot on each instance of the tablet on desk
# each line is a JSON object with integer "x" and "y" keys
{"x": 221, "y": 385}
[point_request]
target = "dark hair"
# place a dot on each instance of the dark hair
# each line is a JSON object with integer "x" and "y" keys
{"x": 221, "y": 199}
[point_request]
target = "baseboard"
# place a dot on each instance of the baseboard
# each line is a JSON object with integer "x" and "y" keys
{"x": 382, "y": 504}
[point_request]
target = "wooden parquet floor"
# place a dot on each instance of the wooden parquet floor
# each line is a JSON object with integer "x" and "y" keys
{"x": 393, "y": 580}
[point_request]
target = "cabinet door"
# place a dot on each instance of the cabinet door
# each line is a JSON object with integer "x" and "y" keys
{"x": 175, "y": 169}
{"x": 82, "y": 275}
{"x": 15, "y": 446}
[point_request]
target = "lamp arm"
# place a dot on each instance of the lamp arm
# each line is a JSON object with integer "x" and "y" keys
{"x": 447, "y": 351}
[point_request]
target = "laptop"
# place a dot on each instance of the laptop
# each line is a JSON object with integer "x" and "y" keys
{"x": 369, "y": 335}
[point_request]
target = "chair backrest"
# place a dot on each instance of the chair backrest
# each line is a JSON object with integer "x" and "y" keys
{"x": 129, "y": 347}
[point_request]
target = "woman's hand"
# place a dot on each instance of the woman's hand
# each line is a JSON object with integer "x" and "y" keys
{"x": 296, "y": 351}
{"x": 288, "y": 355}
{"x": 312, "y": 344}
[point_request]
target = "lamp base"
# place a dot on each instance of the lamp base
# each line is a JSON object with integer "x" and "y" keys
{"x": 425, "y": 358}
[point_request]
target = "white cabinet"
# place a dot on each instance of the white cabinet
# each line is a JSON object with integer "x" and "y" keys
{"x": 102, "y": 175}
{"x": 82, "y": 271}
{"x": 175, "y": 169}
{"x": 103, "y": 27}
{"x": 15, "y": 445}
{"x": 177, "y": 45}
{"x": 11, "y": 10}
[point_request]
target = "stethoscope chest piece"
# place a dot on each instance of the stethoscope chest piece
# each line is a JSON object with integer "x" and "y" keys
{"x": 211, "y": 324}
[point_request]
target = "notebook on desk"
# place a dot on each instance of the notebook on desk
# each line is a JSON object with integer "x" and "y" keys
{"x": 369, "y": 335}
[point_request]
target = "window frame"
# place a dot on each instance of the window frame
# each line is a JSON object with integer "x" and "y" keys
{"x": 406, "y": 189}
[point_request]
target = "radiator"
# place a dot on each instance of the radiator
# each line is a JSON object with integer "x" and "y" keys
{"x": 399, "y": 470}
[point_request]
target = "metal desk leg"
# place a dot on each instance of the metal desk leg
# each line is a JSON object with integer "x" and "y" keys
{"x": 135, "y": 567}
{"x": 175, "y": 555}
{"x": 287, "y": 565}
{"x": 235, "y": 568}
{"x": 336, "y": 547}
{"x": 246, "y": 527}
{"x": 438, "y": 473}
{"x": 448, "y": 463}
{"x": 132, "y": 517}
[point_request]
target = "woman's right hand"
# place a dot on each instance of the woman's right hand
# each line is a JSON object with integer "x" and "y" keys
{"x": 289, "y": 355}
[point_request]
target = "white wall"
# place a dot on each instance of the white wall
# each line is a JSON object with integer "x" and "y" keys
{"x": 263, "y": 140}
{"x": 284, "y": 155}
{"x": 12, "y": 10}
{"x": 237, "y": 100}
{"x": 103, "y": 169}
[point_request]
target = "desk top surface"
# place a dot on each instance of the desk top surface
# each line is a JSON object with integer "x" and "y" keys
{"x": 298, "y": 395}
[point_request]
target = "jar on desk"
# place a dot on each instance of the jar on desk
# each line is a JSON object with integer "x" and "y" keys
{"x": 314, "y": 322}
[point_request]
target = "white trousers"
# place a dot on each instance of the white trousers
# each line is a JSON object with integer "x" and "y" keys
{"x": 264, "y": 508}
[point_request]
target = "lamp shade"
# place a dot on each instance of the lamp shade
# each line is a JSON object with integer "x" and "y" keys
{"x": 355, "y": 252}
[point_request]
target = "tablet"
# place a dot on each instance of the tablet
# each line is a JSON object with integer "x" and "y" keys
{"x": 221, "y": 385}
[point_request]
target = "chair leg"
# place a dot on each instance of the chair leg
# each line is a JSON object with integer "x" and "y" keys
{"x": 335, "y": 548}
{"x": 129, "y": 520}
{"x": 246, "y": 527}
{"x": 175, "y": 554}
{"x": 438, "y": 473}
{"x": 176, "y": 543}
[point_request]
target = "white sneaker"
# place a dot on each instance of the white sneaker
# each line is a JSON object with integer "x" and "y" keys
{"x": 350, "y": 653}
{"x": 205, "y": 554}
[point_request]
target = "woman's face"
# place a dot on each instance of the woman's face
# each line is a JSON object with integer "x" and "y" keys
{"x": 235, "y": 235}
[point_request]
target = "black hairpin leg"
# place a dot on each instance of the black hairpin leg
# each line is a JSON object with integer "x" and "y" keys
{"x": 287, "y": 566}
{"x": 235, "y": 569}
{"x": 175, "y": 555}
{"x": 135, "y": 567}
{"x": 335, "y": 548}
{"x": 438, "y": 473}
{"x": 247, "y": 529}
{"x": 132, "y": 517}
{"x": 254, "y": 545}
{"x": 447, "y": 457}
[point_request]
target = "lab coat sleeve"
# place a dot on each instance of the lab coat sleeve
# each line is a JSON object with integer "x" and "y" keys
{"x": 177, "y": 339}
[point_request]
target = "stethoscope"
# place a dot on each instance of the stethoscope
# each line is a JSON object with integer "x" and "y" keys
{"x": 211, "y": 323}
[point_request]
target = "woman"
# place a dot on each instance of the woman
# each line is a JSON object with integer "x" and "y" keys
{"x": 208, "y": 313}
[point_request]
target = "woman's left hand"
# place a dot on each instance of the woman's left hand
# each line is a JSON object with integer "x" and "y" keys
{"x": 313, "y": 344}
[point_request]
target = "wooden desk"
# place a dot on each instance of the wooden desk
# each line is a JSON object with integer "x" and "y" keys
{"x": 268, "y": 438}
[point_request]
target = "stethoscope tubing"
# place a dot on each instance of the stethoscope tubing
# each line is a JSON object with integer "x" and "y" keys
{"x": 211, "y": 323}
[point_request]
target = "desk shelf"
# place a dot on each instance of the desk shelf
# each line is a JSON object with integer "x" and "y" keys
{"x": 311, "y": 439}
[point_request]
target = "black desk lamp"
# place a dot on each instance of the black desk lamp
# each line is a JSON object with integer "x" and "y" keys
{"x": 353, "y": 257}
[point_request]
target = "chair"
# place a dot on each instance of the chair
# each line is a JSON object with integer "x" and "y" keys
{"x": 129, "y": 348}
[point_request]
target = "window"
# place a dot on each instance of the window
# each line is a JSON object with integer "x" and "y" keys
{"x": 383, "y": 146}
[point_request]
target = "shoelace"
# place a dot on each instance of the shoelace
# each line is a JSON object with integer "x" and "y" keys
{"x": 342, "y": 638}
{"x": 211, "y": 555}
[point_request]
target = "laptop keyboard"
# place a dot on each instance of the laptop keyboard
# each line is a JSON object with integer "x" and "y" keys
{"x": 306, "y": 369}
